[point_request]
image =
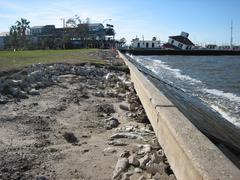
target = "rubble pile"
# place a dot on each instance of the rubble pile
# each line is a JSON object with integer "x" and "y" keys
{"x": 84, "y": 101}
{"x": 145, "y": 158}
{"x": 31, "y": 79}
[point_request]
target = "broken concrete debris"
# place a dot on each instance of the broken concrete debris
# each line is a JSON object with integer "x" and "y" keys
{"x": 126, "y": 135}
{"x": 104, "y": 93}
{"x": 133, "y": 160}
{"x": 34, "y": 92}
{"x": 117, "y": 143}
{"x": 146, "y": 158}
{"x": 144, "y": 149}
{"x": 111, "y": 123}
{"x": 70, "y": 137}
{"x": 121, "y": 166}
{"x": 105, "y": 108}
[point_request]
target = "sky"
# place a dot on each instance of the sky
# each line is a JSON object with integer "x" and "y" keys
{"x": 207, "y": 21}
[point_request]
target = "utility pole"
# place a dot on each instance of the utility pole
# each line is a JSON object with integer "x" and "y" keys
{"x": 63, "y": 19}
{"x": 231, "y": 40}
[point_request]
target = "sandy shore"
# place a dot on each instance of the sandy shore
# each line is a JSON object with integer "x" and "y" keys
{"x": 65, "y": 121}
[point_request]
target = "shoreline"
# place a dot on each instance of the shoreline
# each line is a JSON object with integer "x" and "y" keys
{"x": 66, "y": 121}
{"x": 209, "y": 122}
{"x": 190, "y": 153}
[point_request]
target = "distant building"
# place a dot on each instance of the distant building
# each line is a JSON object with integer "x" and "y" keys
{"x": 179, "y": 42}
{"x": 3, "y": 36}
{"x": 211, "y": 46}
{"x": 96, "y": 35}
{"x": 96, "y": 31}
{"x": 148, "y": 44}
{"x": 236, "y": 48}
{"x": 224, "y": 47}
{"x": 198, "y": 47}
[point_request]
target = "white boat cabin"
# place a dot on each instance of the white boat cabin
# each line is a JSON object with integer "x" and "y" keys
{"x": 146, "y": 44}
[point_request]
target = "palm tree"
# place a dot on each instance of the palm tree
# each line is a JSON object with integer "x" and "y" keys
{"x": 13, "y": 38}
{"x": 13, "y": 30}
{"x": 17, "y": 34}
{"x": 22, "y": 27}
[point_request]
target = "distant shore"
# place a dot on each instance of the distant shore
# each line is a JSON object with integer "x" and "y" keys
{"x": 181, "y": 52}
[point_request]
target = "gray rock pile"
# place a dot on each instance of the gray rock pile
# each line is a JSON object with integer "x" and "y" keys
{"x": 145, "y": 161}
{"x": 136, "y": 109}
{"x": 28, "y": 81}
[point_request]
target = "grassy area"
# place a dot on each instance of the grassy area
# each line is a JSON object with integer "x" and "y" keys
{"x": 18, "y": 59}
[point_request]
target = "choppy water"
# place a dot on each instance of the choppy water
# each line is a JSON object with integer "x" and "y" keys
{"x": 213, "y": 79}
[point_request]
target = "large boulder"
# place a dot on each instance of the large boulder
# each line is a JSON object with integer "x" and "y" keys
{"x": 133, "y": 160}
{"x": 35, "y": 76}
{"x": 105, "y": 108}
{"x": 34, "y": 92}
{"x": 144, "y": 160}
{"x": 112, "y": 78}
{"x": 14, "y": 91}
{"x": 3, "y": 99}
{"x": 111, "y": 123}
{"x": 144, "y": 149}
{"x": 121, "y": 166}
{"x": 16, "y": 83}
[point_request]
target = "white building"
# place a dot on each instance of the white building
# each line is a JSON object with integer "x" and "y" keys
{"x": 211, "y": 46}
{"x": 224, "y": 47}
{"x": 147, "y": 44}
{"x": 179, "y": 42}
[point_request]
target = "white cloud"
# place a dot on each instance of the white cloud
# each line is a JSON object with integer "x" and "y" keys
{"x": 54, "y": 12}
{"x": 6, "y": 16}
{"x": 51, "y": 13}
{"x": 10, "y": 6}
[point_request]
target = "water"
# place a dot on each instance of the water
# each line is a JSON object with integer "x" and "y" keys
{"x": 215, "y": 80}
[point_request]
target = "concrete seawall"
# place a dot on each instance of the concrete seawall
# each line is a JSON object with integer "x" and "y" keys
{"x": 191, "y": 154}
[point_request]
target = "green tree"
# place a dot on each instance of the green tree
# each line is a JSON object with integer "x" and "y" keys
{"x": 65, "y": 41}
{"x": 44, "y": 43}
{"x": 13, "y": 39}
{"x": 74, "y": 21}
{"x": 71, "y": 23}
{"x": 22, "y": 27}
{"x": 83, "y": 33}
{"x": 81, "y": 28}
{"x": 17, "y": 35}
{"x": 58, "y": 43}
